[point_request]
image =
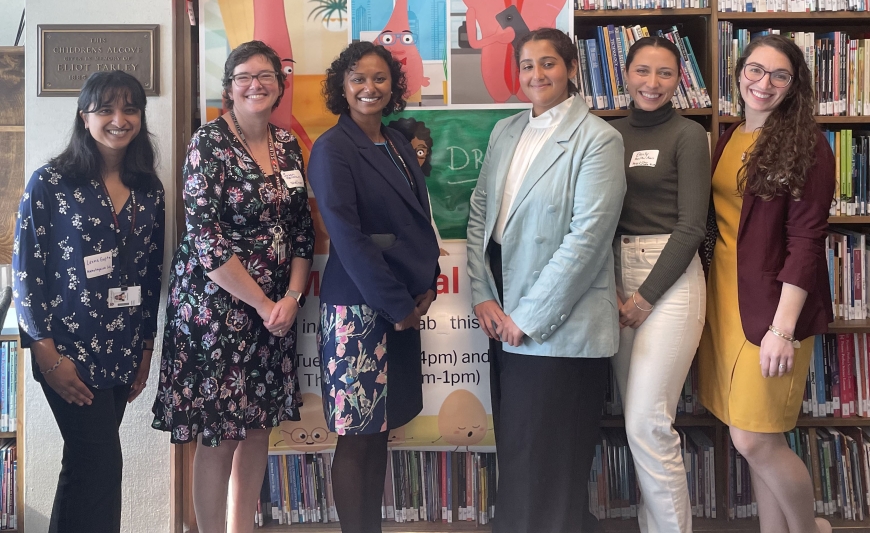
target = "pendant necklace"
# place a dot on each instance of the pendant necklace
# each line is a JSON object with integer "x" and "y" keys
{"x": 277, "y": 231}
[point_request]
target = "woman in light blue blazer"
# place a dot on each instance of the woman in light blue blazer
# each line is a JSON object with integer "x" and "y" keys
{"x": 541, "y": 224}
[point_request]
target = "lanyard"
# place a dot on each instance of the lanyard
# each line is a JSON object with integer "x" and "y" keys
{"x": 122, "y": 245}
{"x": 408, "y": 175}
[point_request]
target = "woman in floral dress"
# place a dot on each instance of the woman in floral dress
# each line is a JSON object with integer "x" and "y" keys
{"x": 228, "y": 372}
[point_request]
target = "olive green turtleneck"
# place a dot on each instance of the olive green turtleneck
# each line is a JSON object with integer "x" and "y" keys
{"x": 671, "y": 197}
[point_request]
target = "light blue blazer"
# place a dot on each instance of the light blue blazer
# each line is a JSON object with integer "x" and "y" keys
{"x": 557, "y": 257}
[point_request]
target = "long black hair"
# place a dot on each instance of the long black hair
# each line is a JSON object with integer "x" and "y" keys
{"x": 81, "y": 160}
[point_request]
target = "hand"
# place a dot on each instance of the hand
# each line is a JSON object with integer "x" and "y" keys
{"x": 509, "y": 332}
{"x": 410, "y": 321}
{"x": 619, "y": 303}
{"x": 630, "y": 315}
{"x": 424, "y": 301}
{"x": 265, "y": 309}
{"x": 141, "y": 379}
{"x": 490, "y": 315}
{"x": 283, "y": 315}
{"x": 444, "y": 252}
{"x": 506, "y": 35}
{"x": 777, "y": 356}
{"x": 65, "y": 381}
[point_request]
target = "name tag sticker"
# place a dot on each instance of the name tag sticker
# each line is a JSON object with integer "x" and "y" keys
{"x": 644, "y": 158}
{"x": 129, "y": 297}
{"x": 292, "y": 179}
{"x": 98, "y": 265}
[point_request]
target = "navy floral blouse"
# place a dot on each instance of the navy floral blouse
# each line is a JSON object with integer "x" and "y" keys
{"x": 62, "y": 222}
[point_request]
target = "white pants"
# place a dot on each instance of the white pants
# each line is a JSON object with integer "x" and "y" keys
{"x": 651, "y": 368}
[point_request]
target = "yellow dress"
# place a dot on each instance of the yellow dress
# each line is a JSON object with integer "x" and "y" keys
{"x": 731, "y": 385}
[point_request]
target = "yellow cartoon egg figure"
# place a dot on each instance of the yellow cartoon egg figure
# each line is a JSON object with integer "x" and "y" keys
{"x": 462, "y": 420}
{"x": 310, "y": 433}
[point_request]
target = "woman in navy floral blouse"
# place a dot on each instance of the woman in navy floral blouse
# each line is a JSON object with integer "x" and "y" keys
{"x": 87, "y": 258}
{"x": 228, "y": 373}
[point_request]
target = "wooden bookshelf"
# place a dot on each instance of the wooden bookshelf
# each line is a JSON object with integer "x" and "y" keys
{"x": 849, "y": 220}
{"x": 780, "y": 18}
{"x": 635, "y": 13}
{"x": 729, "y": 119}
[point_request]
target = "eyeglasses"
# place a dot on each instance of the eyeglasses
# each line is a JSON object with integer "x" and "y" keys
{"x": 265, "y": 78}
{"x": 778, "y": 78}
{"x": 388, "y": 38}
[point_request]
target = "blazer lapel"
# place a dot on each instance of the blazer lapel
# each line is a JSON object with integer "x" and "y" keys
{"x": 551, "y": 152}
{"x": 504, "y": 156}
{"x": 382, "y": 164}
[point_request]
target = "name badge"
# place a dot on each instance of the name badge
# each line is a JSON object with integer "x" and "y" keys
{"x": 644, "y": 158}
{"x": 292, "y": 179}
{"x": 98, "y": 265}
{"x": 129, "y": 297}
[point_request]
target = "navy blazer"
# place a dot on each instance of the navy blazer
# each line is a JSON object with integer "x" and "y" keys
{"x": 782, "y": 240}
{"x": 382, "y": 250}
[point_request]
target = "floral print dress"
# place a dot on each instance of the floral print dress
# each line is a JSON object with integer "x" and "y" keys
{"x": 222, "y": 372}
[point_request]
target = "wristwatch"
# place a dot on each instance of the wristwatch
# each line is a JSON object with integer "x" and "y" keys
{"x": 296, "y": 295}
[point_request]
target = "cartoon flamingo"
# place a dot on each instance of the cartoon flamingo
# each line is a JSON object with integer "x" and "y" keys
{"x": 398, "y": 39}
{"x": 270, "y": 26}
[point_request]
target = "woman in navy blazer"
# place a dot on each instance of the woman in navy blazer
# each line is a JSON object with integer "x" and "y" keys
{"x": 379, "y": 279}
{"x": 768, "y": 294}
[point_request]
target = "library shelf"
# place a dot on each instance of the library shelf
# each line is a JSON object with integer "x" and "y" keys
{"x": 7, "y": 435}
{"x": 707, "y": 525}
{"x": 855, "y": 219}
{"x": 632, "y": 13}
{"x": 729, "y": 119}
{"x": 861, "y": 325}
{"x": 778, "y": 17}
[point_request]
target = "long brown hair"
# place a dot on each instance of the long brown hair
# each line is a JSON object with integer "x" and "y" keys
{"x": 785, "y": 148}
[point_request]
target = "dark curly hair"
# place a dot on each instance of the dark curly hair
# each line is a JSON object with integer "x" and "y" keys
{"x": 243, "y": 53}
{"x": 333, "y": 85}
{"x": 785, "y": 148}
{"x": 561, "y": 42}
{"x": 411, "y": 128}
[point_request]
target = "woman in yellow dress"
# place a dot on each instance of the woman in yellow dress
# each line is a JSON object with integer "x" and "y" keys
{"x": 768, "y": 294}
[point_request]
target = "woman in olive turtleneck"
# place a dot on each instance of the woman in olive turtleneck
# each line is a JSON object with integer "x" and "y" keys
{"x": 659, "y": 279}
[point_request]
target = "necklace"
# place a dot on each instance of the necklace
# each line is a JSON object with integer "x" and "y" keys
{"x": 401, "y": 160}
{"x": 277, "y": 231}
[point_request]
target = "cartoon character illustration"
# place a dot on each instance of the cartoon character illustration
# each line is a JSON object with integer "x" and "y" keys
{"x": 270, "y": 26}
{"x": 462, "y": 420}
{"x": 398, "y": 39}
{"x": 398, "y": 436}
{"x": 308, "y": 434}
{"x": 501, "y": 25}
{"x": 420, "y": 138}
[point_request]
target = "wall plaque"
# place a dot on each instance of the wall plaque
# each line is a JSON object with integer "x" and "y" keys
{"x": 69, "y": 53}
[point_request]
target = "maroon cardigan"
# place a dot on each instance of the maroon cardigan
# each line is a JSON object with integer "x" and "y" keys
{"x": 783, "y": 241}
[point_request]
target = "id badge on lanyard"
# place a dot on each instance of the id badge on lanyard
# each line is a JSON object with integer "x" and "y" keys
{"x": 126, "y": 295}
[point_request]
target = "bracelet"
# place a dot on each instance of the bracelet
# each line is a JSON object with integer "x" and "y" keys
{"x": 52, "y": 369}
{"x": 651, "y": 307}
{"x": 790, "y": 338}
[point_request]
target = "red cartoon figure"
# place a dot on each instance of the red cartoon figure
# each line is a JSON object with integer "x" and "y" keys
{"x": 270, "y": 26}
{"x": 398, "y": 39}
{"x": 502, "y": 23}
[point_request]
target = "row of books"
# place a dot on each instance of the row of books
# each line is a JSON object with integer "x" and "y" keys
{"x": 613, "y": 488}
{"x": 852, "y": 159}
{"x": 8, "y": 485}
{"x": 839, "y": 66}
{"x": 419, "y": 486}
{"x": 601, "y": 77}
{"x": 593, "y": 5}
{"x": 846, "y": 252}
{"x": 792, "y": 6}
{"x": 8, "y": 386}
{"x": 837, "y": 461}
{"x": 838, "y": 383}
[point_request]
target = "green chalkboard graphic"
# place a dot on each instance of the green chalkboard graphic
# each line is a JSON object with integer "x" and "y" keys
{"x": 451, "y": 145}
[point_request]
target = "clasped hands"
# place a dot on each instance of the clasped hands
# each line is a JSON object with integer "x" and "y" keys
{"x": 422, "y": 302}
{"x": 278, "y": 317}
{"x": 497, "y": 325}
